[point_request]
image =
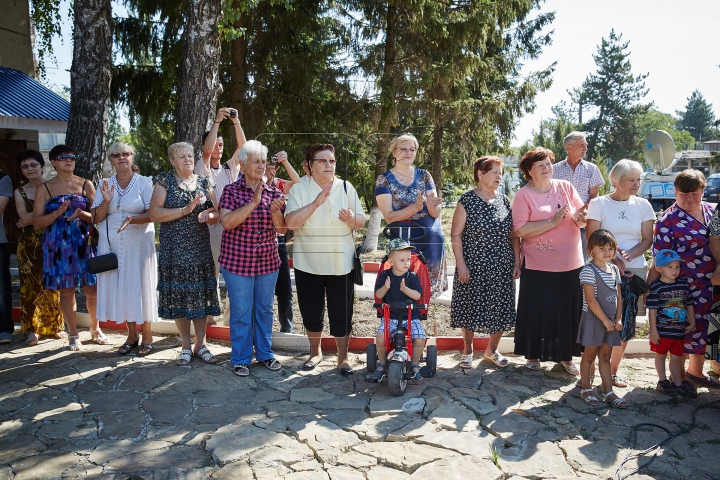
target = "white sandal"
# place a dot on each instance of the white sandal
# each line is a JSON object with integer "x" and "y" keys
{"x": 497, "y": 359}
{"x": 98, "y": 337}
{"x": 617, "y": 403}
{"x": 184, "y": 359}
{"x": 466, "y": 360}
{"x": 74, "y": 344}
{"x": 589, "y": 399}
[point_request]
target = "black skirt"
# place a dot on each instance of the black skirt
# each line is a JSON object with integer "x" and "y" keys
{"x": 548, "y": 315}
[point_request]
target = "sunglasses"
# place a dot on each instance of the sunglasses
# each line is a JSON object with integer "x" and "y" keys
{"x": 121, "y": 155}
{"x": 29, "y": 166}
{"x": 69, "y": 156}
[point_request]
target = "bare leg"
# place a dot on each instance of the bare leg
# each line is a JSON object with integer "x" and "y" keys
{"x": 493, "y": 343}
{"x": 418, "y": 345}
{"x": 91, "y": 304}
{"x": 586, "y": 365}
{"x": 695, "y": 367}
{"x": 315, "y": 350}
{"x": 200, "y": 326}
{"x": 183, "y": 326}
{"x": 676, "y": 366}
{"x": 342, "y": 349}
{"x": 604, "y": 354}
{"x": 467, "y": 336}
{"x": 616, "y": 357}
{"x": 69, "y": 309}
{"x": 660, "y": 366}
{"x": 380, "y": 345}
{"x": 132, "y": 333}
{"x": 147, "y": 337}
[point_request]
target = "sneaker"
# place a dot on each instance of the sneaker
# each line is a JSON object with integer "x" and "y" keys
{"x": 666, "y": 388}
{"x": 686, "y": 392}
{"x": 5, "y": 337}
{"x": 379, "y": 372}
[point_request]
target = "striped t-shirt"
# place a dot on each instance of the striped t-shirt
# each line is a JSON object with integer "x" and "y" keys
{"x": 670, "y": 300}
{"x": 587, "y": 277}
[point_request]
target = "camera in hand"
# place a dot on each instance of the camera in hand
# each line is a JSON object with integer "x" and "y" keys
{"x": 233, "y": 112}
{"x": 273, "y": 161}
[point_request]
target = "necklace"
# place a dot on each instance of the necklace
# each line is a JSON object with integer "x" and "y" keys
{"x": 401, "y": 176}
{"x": 120, "y": 192}
{"x": 186, "y": 185}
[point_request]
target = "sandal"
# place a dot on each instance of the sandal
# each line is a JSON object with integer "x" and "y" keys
{"x": 497, "y": 359}
{"x": 61, "y": 335}
{"x": 579, "y": 382}
{"x": 98, "y": 337}
{"x": 184, "y": 358}
{"x": 346, "y": 371}
{"x": 74, "y": 344}
{"x": 588, "y": 395}
{"x": 272, "y": 364}
{"x": 571, "y": 368}
{"x": 379, "y": 372}
{"x": 31, "y": 339}
{"x": 145, "y": 349}
{"x": 127, "y": 348}
{"x": 310, "y": 365}
{"x": 242, "y": 370}
{"x": 466, "y": 360}
{"x": 533, "y": 365}
{"x": 415, "y": 373}
{"x": 706, "y": 381}
{"x": 619, "y": 381}
{"x": 617, "y": 403}
{"x": 206, "y": 356}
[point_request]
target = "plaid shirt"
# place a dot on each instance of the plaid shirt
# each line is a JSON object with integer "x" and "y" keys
{"x": 586, "y": 176}
{"x": 251, "y": 248}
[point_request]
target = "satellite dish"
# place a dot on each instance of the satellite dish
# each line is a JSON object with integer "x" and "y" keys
{"x": 659, "y": 150}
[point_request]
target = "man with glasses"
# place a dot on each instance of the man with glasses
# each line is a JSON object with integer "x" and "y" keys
{"x": 585, "y": 176}
{"x": 6, "y": 323}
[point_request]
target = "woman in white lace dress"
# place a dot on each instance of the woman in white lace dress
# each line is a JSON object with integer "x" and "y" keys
{"x": 128, "y": 294}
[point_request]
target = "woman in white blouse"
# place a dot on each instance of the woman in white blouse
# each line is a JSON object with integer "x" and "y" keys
{"x": 127, "y": 294}
{"x": 630, "y": 218}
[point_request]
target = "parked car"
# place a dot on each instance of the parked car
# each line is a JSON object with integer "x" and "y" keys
{"x": 712, "y": 188}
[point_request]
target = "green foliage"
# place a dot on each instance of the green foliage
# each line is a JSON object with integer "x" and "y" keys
{"x": 657, "y": 120}
{"x": 614, "y": 92}
{"x": 46, "y": 19}
{"x": 698, "y": 117}
{"x": 606, "y": 187}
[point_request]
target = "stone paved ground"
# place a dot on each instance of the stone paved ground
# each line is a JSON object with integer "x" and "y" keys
{"x": 99, "y": 415}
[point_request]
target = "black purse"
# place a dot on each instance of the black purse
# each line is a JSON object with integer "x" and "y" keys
{"x": 106, "y": 262}
{"x": 357, "y": 261}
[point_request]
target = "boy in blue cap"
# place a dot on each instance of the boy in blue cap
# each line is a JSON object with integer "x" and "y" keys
{"x": 671, "y": 315}
{"x": 399, "y": 284}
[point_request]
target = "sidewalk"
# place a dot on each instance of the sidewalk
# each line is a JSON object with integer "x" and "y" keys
{"x": 103, "y": 416}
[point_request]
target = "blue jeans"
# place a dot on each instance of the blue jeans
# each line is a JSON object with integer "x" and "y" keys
{"x": 251, "y": 315}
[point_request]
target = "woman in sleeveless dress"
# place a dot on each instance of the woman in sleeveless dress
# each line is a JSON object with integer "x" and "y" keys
{"x": 62, "y": 208}
{"x": 40, "y": 308}
{"x": 127, "y": 294}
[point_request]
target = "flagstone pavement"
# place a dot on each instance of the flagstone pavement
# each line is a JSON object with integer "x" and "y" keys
{"x": 100, "y": 415}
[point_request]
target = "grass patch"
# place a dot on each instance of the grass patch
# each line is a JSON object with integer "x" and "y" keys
{"x": 494, "y": 455}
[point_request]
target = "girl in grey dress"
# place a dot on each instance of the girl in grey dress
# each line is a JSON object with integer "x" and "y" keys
{"x": 601, "y": 319}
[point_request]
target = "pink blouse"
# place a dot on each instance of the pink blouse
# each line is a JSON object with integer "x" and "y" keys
{"x": 559, "y": 249}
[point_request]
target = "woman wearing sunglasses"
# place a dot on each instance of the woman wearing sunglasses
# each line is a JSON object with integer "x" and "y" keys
{"x": 62, "y": 208}
{"x": 323, "y": 212}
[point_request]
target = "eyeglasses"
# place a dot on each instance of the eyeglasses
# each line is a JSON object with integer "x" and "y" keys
{"x": 406, "y": 150}
{"x": 121, "y": 154}
{"x": 29, "y": 166}
{"x": 69, "y": 156}
{"x": 326, "y": 161}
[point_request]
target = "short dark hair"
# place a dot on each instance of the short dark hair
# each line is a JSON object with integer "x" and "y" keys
{"x": 59, "y": 150}
{"x": 205, "y": 135}
{"x": 484, "y": 164}
{"x": 602, "y": 238}
{"x": 315, "y": 148}
{"x": 689, "y": 180}
{"x": 535, "y": 155}
{"x": 28, "y": 154}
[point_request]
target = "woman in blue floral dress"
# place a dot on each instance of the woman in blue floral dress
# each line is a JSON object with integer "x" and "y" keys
{"x": 62, "y": 208}
{"x": 407, "y": 193}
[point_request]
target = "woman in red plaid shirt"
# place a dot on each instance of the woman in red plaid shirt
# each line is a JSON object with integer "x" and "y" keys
{"x": 251, "y": 216}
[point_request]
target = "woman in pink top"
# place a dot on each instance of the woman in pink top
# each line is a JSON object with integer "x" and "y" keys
{"x": 548, "y": 215}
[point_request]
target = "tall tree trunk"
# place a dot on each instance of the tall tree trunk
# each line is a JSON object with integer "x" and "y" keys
{"x": 199, "y": 85}
{"x": 437, "y": 152}
{"x": 90, "y": 76}
{"x": 238, "y": 70}
{"x": 388, "y": 86}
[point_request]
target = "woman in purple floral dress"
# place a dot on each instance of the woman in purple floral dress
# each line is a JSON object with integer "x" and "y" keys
{"x": 684, "y": 228}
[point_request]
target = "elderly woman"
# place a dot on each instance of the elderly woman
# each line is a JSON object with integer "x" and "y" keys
{"x": 185, "y": 204}
{"x": 488, "y": 262}
{"x": 40, "y": 308}
{"x": 323, "y": 212}
{"x": 249, "y": 261}
{"x": 630, "y": 219}
{"x": 547, "y": 216}
{"x": 127, "y": 294}
{"x": 407, "y": 193}
{"x": 684, "y": 228}
{"x": 62, "y": 208}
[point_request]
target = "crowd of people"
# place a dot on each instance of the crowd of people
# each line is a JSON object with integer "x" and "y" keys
{"x": 581, "y": 259}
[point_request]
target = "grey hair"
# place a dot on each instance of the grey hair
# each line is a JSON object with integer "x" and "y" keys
{"x": 252, "y": 147}
{"x": 120, "y": 146}
{"x": 572, "y": 136}
{"x": 175, "y": 148}
{"x": 622, "y": 168}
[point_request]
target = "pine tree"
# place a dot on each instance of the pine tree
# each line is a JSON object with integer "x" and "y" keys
{"x": 615, "y": 92}
{"x": 698, "y": 117}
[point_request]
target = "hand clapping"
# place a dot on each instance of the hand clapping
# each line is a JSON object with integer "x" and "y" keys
{"x": 107, "y": 191}
{"x": 346, "y": 215}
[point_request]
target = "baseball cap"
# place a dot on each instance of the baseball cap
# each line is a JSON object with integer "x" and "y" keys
{"x": 398, "y": 244}
{"x": 666, "y": 257}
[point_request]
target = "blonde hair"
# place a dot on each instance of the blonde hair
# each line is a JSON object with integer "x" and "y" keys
{"x": 622, "y": 168}
{"x": 177, "y": 147}
{"x": 120, "y": 147}
{"x": 405, "y": 137}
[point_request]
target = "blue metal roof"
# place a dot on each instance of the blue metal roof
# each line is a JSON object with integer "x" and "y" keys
{"x": 22, "y": 96}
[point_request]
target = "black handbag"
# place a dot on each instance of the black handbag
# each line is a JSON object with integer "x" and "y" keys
{"x": 106, "y": 262}
{"x": 357, "y": 261}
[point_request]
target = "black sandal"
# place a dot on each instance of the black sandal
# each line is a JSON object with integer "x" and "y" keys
{"x": 128, "y": 347}
{"x": 145, "y": 346}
